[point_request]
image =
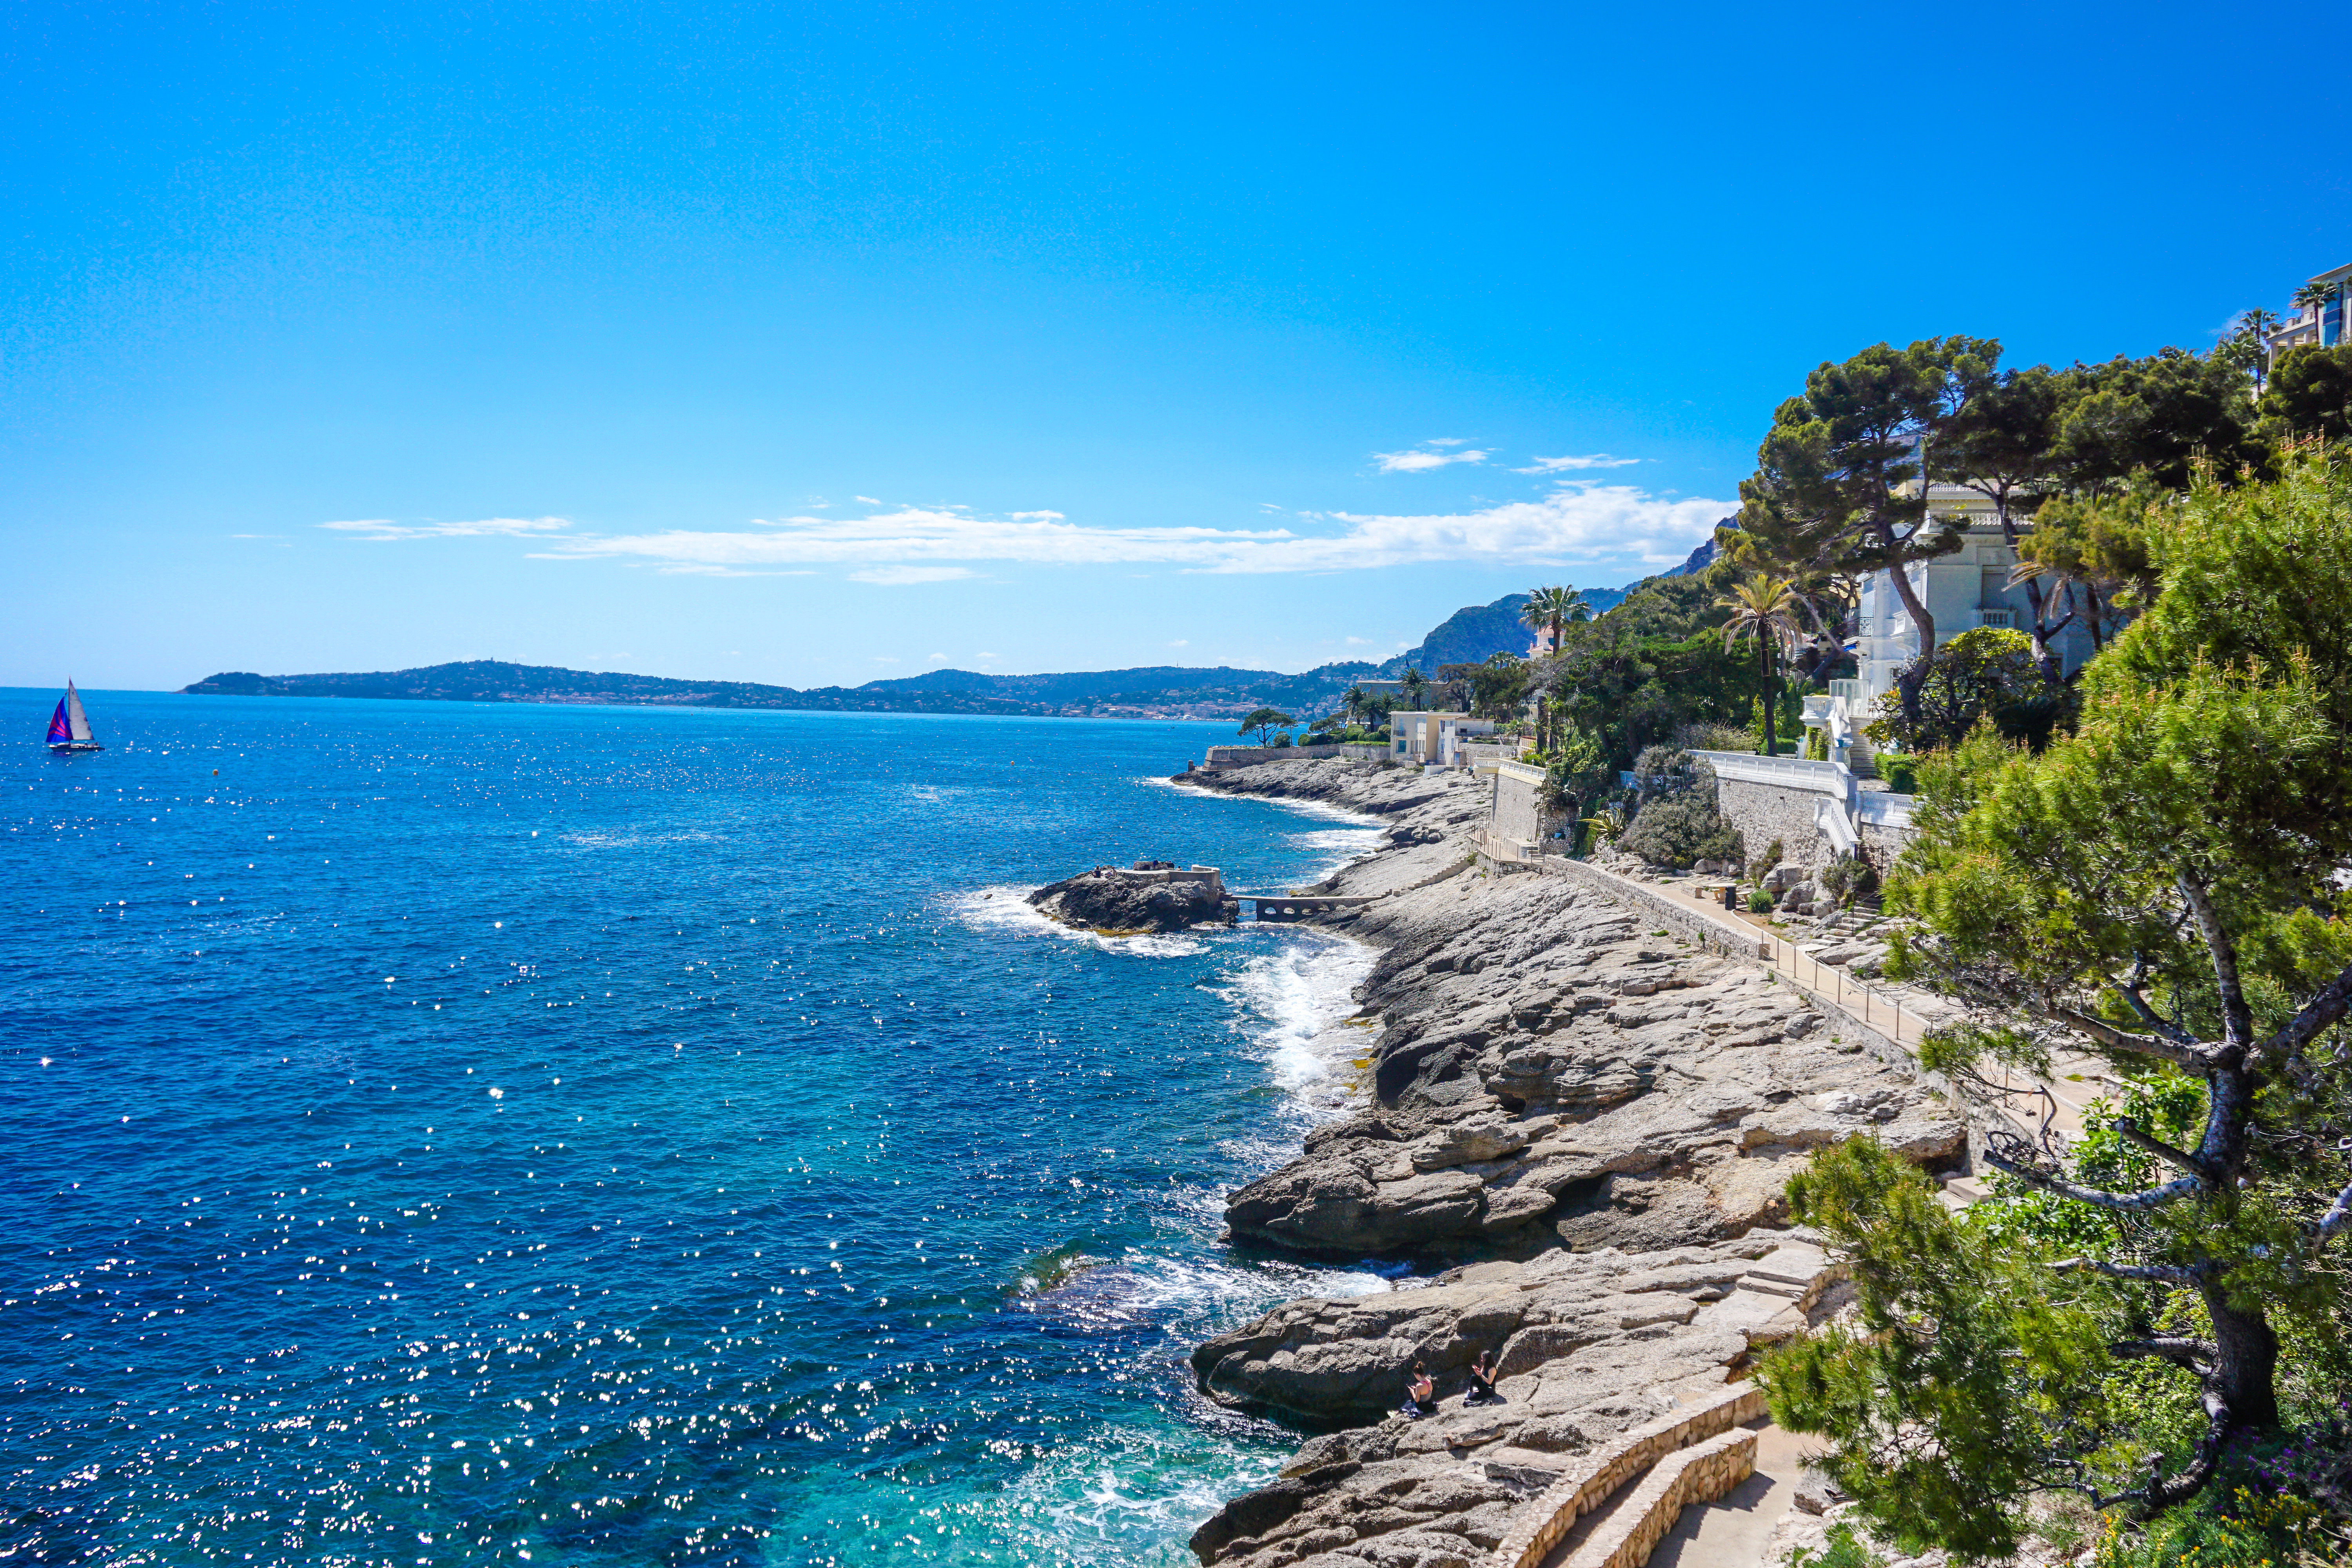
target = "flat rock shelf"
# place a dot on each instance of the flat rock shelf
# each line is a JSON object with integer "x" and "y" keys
{"x": 1580, "y": 1126}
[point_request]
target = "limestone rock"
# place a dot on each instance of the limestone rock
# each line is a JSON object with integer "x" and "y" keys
{"x": 1117, "y": 901}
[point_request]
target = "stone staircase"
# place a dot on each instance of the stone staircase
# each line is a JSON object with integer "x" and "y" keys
{"x": 1613, "y": 1504}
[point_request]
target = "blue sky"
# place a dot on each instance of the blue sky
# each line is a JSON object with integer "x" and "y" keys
{"x": 816, "y": 344}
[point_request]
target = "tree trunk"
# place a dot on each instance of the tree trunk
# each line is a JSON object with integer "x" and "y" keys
{"x": 1764, "y": 668}
{"x": 2245, "y": 1360}
{"x": 1913, "y": 676}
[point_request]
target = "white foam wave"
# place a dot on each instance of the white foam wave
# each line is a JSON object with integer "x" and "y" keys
{"x": 1006, "y": 908}
{"x": 1292, "y": 1003}
{"x": 1125, "y": 1493}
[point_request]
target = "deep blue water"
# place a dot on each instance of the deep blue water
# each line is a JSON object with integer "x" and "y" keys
{"x": 447, "y": 1133}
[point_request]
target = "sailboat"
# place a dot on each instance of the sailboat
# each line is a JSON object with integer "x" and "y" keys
{"x": 70, "y": 726}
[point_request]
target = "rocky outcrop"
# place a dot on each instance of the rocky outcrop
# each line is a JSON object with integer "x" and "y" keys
{"x": 1551, "y": 1073}
{"x": 1152, "y": 896}
{"x": 1606, "y": 1357}
{"x": 1589, "y": 1126}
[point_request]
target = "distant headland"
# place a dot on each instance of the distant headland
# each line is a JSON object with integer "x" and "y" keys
{"x": 1155, "y": 692}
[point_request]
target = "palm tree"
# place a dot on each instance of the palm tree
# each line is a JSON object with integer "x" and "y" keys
{"x": 1415, "y": 684}
{"x": 1763, "y": 607}
{"x": 1550, "y": 610}
{"x": 2315, "y": 297}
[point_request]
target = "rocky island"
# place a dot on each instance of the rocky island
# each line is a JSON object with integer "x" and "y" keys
{"x": 1131, "y": 900}
{"x": 1584, "y": 1126}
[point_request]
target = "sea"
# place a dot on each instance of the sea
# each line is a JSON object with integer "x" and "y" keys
{"x": 446, "y": 1133}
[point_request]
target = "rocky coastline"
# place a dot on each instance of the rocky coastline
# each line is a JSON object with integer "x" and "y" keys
{"x": 1579, "y": 1131}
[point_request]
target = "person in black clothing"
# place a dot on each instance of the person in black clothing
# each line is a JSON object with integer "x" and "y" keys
{"x": 1482, "y": 1381}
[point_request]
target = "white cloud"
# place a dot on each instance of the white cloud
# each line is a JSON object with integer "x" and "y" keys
{"x": 1359, "y": 642}
{"x": 1415, "y": 462}
{"x": 899, "y": 576}
{"x": 699, "y": 569}
{"x": 1182, "y": 642}
{"x": 938, "y": 658}
{"x": 869, "y": 500}
{"x": 1581, "y": 522}
{"x": 509, "y": 527}
{"x": 1590, "y": 460}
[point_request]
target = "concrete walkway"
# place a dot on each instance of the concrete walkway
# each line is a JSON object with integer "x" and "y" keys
{"x": 1732, "y": 1532}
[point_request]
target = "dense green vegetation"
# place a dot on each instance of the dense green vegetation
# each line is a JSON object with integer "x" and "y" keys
{"x": 2153, "y": 1320}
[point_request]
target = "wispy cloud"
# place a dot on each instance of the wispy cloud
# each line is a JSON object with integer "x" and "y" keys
{"x": 1359, "y": 642}
{"x": 703, "y": 569}
{"x": 510, "y": 527}
{"x": 1579, "y": 522}
{"x": 897, "y": 576}
{"x": 1565, "y": 465}
{"x": 1429, "y": 454}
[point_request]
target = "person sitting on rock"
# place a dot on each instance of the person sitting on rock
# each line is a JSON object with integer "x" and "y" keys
{"x": 1421, "y": 1394}
{"x": 1482, "y": 1381}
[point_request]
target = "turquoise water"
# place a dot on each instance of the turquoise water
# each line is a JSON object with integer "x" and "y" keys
{"x": 446, "y": 1133}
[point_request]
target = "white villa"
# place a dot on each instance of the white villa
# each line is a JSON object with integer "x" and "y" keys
{"x": 1964, "y": 590}
{"x": 1434, "y": 739}
{"x": 2323, "y": 323}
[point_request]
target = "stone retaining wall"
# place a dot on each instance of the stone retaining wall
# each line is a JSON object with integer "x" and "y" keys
{"x": 1516, "y": 813}
{"x": 1716, "y": 935}
{"x": 1765, "y": 812}
{"x": 1698, "y": 1474}
{"x": 1248, "y": 756}
{"x": 1548, "y": 1517}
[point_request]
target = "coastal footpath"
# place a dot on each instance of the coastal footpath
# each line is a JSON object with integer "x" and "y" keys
{"x": 1585, "y": 1125}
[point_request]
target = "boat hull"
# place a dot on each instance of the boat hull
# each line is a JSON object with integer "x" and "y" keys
{"x": 64, "y": 747}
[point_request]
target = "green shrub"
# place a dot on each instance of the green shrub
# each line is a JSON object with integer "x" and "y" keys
{"x": 1850, "y": 876}
{"x": 1901, "y": 774}
{"x": 2244, "y": 1530}
{"x": 1844, "y": 1550}
{"x": 1759, "y": 902}
{"x": 1678, "y": 828}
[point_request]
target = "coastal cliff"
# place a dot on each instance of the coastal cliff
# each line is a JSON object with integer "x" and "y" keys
{"x": 1587, "y": 1125}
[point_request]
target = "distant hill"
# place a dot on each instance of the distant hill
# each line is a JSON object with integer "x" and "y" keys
{"x": 1703, "y": 556}
{"x": 1156, "y": 691}
{"x": 1474, "y": 633}
{"x": 1159, "y": 691}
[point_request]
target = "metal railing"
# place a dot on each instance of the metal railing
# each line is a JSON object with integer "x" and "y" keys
{"x": 1872, "y": 1007}
{"x": 1496, "y": 848}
